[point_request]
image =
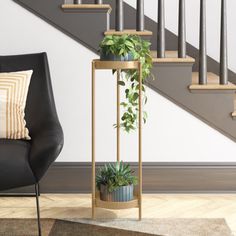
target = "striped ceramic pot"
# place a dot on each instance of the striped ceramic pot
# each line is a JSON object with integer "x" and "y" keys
{"x": 112, "y": 57}
{"x": 122, "y": 194}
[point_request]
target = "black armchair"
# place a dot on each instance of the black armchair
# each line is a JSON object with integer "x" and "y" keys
{"x": 24, "y": 163}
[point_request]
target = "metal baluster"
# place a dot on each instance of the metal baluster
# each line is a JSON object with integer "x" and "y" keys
{"x": 182, "y": 30}
{"x": 98, "y": 1}
{"x": 77, "y": 1}
{"x": 202, "y": 46}
{"x": 140, "y": 16}
{"x": 119, "y": 15}
{"x": 68, "y": 1}
{"x": 223, "y": 45}
{"x": 161, "y": 30}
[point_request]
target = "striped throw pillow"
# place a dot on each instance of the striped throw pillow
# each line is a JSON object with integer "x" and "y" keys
{"x": 13, "y": 93}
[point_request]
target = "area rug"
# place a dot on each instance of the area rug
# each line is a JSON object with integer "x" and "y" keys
{"x": 168, "y": 226}
{"x": 146, "y": 227}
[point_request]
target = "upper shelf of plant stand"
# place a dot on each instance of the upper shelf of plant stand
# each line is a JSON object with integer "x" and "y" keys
{"x": 102, "y": 65}
{"x": 129, "y": 32}
{"x": 84, "y": 8}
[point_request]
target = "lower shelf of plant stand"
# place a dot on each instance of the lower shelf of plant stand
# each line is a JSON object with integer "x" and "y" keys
{"x": 117, "y": 205}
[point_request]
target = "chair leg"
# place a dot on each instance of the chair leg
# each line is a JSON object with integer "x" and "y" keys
{"x": 37, "y": 193}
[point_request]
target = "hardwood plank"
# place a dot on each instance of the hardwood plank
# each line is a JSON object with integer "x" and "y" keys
{"x": 86, "y": 7}
{"x": 213, "y": 83}
{"x": 154, "y": 206}
{"x": 171, "y": 57}
{"x": 129, "y": 31}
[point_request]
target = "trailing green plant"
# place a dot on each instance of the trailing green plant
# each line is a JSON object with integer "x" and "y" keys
{"x": 140, "y": 50}
{"x": 117, "y": 45}
{"x": 115, "y": 175}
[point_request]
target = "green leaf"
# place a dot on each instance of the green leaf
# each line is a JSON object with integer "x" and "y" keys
{"x": 122, "y": 83}
{"x": 130, "y": 110}
{"x": 129, "y": 44}
{"x": 117, "y": 166}
{"x": 109, "y": 42}
{"x": 135, "y": 96}
{"x": 145, "y": 100}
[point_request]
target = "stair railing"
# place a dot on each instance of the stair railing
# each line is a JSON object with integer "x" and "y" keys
{"x": 223, "y": 45}
{"x": 119, "y": 15}
{"x": 140, "y": 18}
{"x": 202, "y": 44}
{"x": 161, "y": 47}
{"x": 161, "y": 38}
{"x": 182, "y": 30}
{"x": 140, "y": 22}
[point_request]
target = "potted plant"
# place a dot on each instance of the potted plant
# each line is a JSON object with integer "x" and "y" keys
{"x": 129, "y": 47}
{"x": 116, "y": 48}
{"x": 116, "y": 182}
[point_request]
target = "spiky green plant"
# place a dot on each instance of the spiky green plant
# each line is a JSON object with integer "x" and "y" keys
{"x": 115, "y": 175}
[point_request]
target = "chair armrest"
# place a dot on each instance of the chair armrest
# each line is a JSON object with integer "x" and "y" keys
{"x": 46, "y": 145}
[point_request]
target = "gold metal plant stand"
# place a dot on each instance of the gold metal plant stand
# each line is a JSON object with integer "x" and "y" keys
{"x": 118, "y": 66}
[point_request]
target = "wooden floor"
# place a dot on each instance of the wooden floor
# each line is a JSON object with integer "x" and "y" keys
{"x": 154, "y": 206}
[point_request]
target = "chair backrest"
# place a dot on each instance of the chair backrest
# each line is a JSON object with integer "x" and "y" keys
{"x": 40, "y": 104}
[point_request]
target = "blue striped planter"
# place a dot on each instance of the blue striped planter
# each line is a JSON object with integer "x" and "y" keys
{"x": 112, "y": 57}
{"x": 122, "y": 194}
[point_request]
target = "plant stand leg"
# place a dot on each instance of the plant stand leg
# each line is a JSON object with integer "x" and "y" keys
{"x": 118, "y": 116}
{"x": 93, "y": 143}
{"x": 140, "y": 140}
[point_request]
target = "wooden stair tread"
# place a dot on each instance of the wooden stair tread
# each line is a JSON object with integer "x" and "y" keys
{"x": 129, "y": 31}
{"x": 86, "y": 7}
{"x": 171, "y": 56}
{"x": 213, "y": 83}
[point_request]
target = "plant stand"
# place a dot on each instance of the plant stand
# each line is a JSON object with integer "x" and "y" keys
{"x": 137, "y": 201}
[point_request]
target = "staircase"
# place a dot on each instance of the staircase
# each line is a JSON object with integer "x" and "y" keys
{"x": 192, "y": 82}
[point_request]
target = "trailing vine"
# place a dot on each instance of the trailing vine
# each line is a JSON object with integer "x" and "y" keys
{"x": 139, "y": 49}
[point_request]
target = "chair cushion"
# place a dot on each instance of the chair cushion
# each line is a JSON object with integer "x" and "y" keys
{"x": 15, "y": 170}
{"x": 13, "y": 93}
